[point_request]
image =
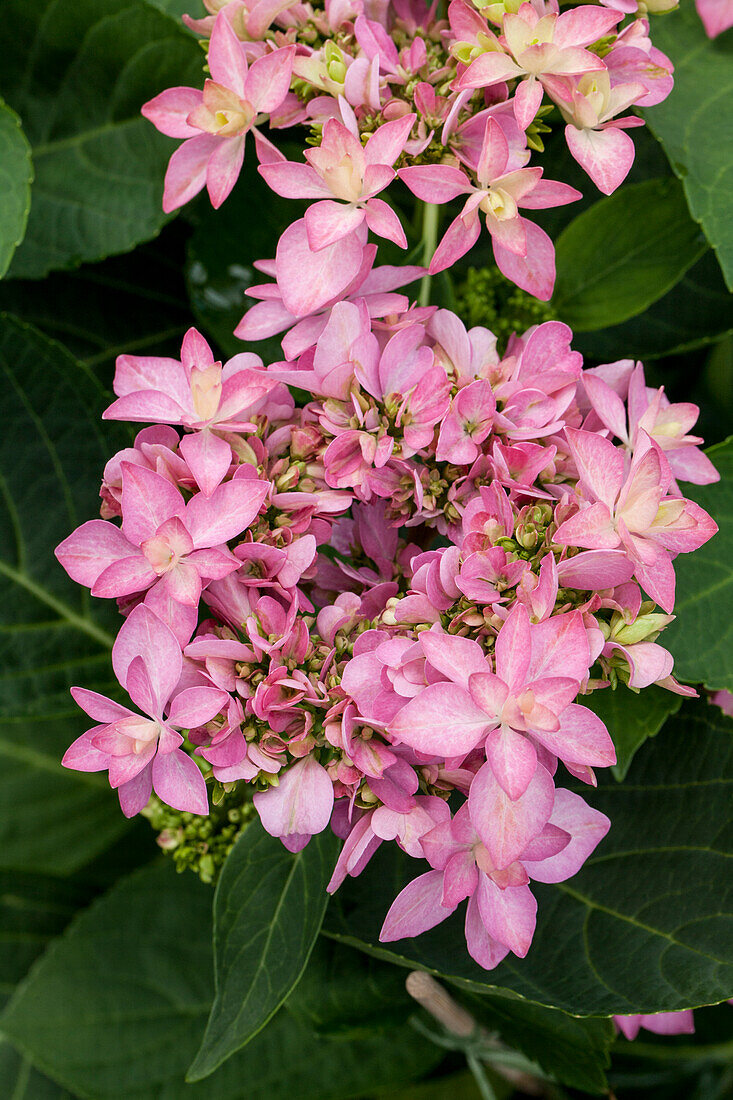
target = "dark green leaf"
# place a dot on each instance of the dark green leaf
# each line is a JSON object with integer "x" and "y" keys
{"x": 118, "y": 1003}
{"x": 624, "y": 253}
{"x": 16, "y": 174}
{"x": 52, "y": 451}
{"x": 573, "y": 1051}
{"x": 645, "y": 926}
{"x": 701, "y": 637}
{"x": 134, "y": 303}
{"x": 20, "y": 1081}
{"x": 695, "y": 123}
{"x": 344, "y": 992}
{"x": 268, "y": 909}
{"x": 631, "y": 718}
{"x": 698, "y": 310}
{"x": 77, "y": 74}
{"x": 33, "y": 909}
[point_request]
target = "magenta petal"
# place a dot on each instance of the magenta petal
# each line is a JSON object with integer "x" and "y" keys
{"x": 416, "y": 908}
{"x": 178, "y": 781}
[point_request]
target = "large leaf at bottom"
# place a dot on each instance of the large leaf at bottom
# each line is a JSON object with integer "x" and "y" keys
{"x": 116, "y": 1005}
{"x": 16, "y": 173}
{"x": 695, "y": 123}
{"x": 701, "y": 637}
{"x": 645, "y": 926}
{"x": 52, "y": 451}
{"x": 77, "y": 74}
{"x": 268, "y": 910}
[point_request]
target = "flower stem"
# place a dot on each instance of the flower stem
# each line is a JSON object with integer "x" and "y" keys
{"x": 429, "y": 241}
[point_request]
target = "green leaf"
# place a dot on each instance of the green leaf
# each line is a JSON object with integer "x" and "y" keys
{"x": 33, "y": 909}
{"x": 573, "y": 1051}
{"x": 624, "y": 253}
{"x": 118, "y": 1002}
{"x": 695, "y": 123}
{"x": 268, "y": 909}
{"x": 20, "y": 1081}
{"x": 701, "y": 637}
{"x": 632, "y": 717}
{"x": 346, "y": 993}
{"x": 134, "y": 304}
{"x": 697, "y": 311}
{"x": 643, "y": 927}
{"x": 77, "y": 74}
{"x": 16, "y": 175}
{"x": 52, "y": 452}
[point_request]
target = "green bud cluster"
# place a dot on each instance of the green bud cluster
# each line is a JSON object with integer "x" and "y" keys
{"x": 487, "y": 298}
{"x": 200, "y": 844}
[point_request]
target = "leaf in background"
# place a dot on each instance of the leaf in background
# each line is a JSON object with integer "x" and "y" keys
{"x": 33, "y": 909}
{"x": 573, "y": 1051}
{"x": 701, "y": 637}
{"x": 268, "y": 909}
{"x": 695, "y": 123}
{"x": 624, "y": 253}
{"x": 77, "y": 74}
{"x": 117, "y": 1004}
{"x": 344, "y": 992}
{"x": 698, "y": 310}
{"x": 631, "y": 718}
{"x": 16, "y": 175}
{"x": 643, "y": 927}
{"x": 134, "y": 303}
{"x": 52, "y": 452}
{"x": 20, "y": 1081}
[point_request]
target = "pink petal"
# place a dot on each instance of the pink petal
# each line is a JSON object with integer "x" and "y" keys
{"x": 486, "y": 951}
{"x": 148, "y": 500}
{"x": 169, "y": 110}
{"x": 89, "y": 550}
{"x": 186, "y": 173}
{"x": 223, "y": 168}
{"x": 144, "y": 635}
{"x": 581, "y": 739}
{"x": 328, "y": 222}
{"x": 308, "y": 279}
{"x": 534, "y": 272}
{"x": 382, "y": 220}
{"x": 513, "y": 760}
{"x": 436, "y": 183}
{"x": 460, "y": 236}
{"x": 452, "y": 656}
{"x": 268, "y": 80}
{"x": 124, "y": 578}
{"x": 178, "y": 781}
{"x": 226, "y": 513}
{"x": 606, "y": 155}
{"x": 301, "y": 803}
{"x": 416, "y": 908}
{"x": 134, "y": 794}
{"x": 507, "y": 825}
{"x": 586, "y": 826}
{"x": 226, "y": 57}
{"x": 99, "y": 707}
{"x": 441, "y": 721}
{"x": 195, "y": 706}
{"x": 509, "y": 915}
{"x": 209, "y": 458}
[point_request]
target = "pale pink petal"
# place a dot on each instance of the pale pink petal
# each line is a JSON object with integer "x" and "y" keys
{"x": 124, "y": 578}
{"x": 226, "y": 57}
{"x": 99, "y": 707}
{"x": 606, "y": 155}
{"x": 209, "y": 458}
{"x": 146, "y": 636}
{"x": 509, "y": 915}
{"x": 581, "y": 739}
{"x": 308, "y": 279}
{"x": 148, "y": 500}
{"x": 186, "y": 174}
{"x": 485, "y": 950}
{"x": 416, "y": 908}
{"x": 513, "y": 760}
{"x": 436, "y": 183}
{"x": 382, "y": 220}
{"x": 453, "y": 656}
{"x": 89, "y": 550}
{"x": 228, "y": 512}
{"x": 135, "y": 793}
{"x": 169, "y": 110}
{"x": 460, "y": 236}
{"x": 268, "y": 80}
{"x": 587, "y": 828}
{"x": 507, "y": 825}
{"x": 328, "y": 222}
{"x": 442, "y": 721}
{"x": 195, "y": 706}
{"x": 301, "y": 803}
{"x": 534, "y": 272}
{"x": 223, "y": 168}
{"x": 178, "y": 781}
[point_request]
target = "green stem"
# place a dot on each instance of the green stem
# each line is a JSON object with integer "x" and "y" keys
{"x": 429, "y": 240}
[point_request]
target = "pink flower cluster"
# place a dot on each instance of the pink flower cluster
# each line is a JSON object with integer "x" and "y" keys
{"x": 403, "y": 590}
{"x": 383, "y": 612}
{"x": 454, "y": 107}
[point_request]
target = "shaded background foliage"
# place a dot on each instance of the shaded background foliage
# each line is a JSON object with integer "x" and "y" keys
{"x": 106, "y": 962}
